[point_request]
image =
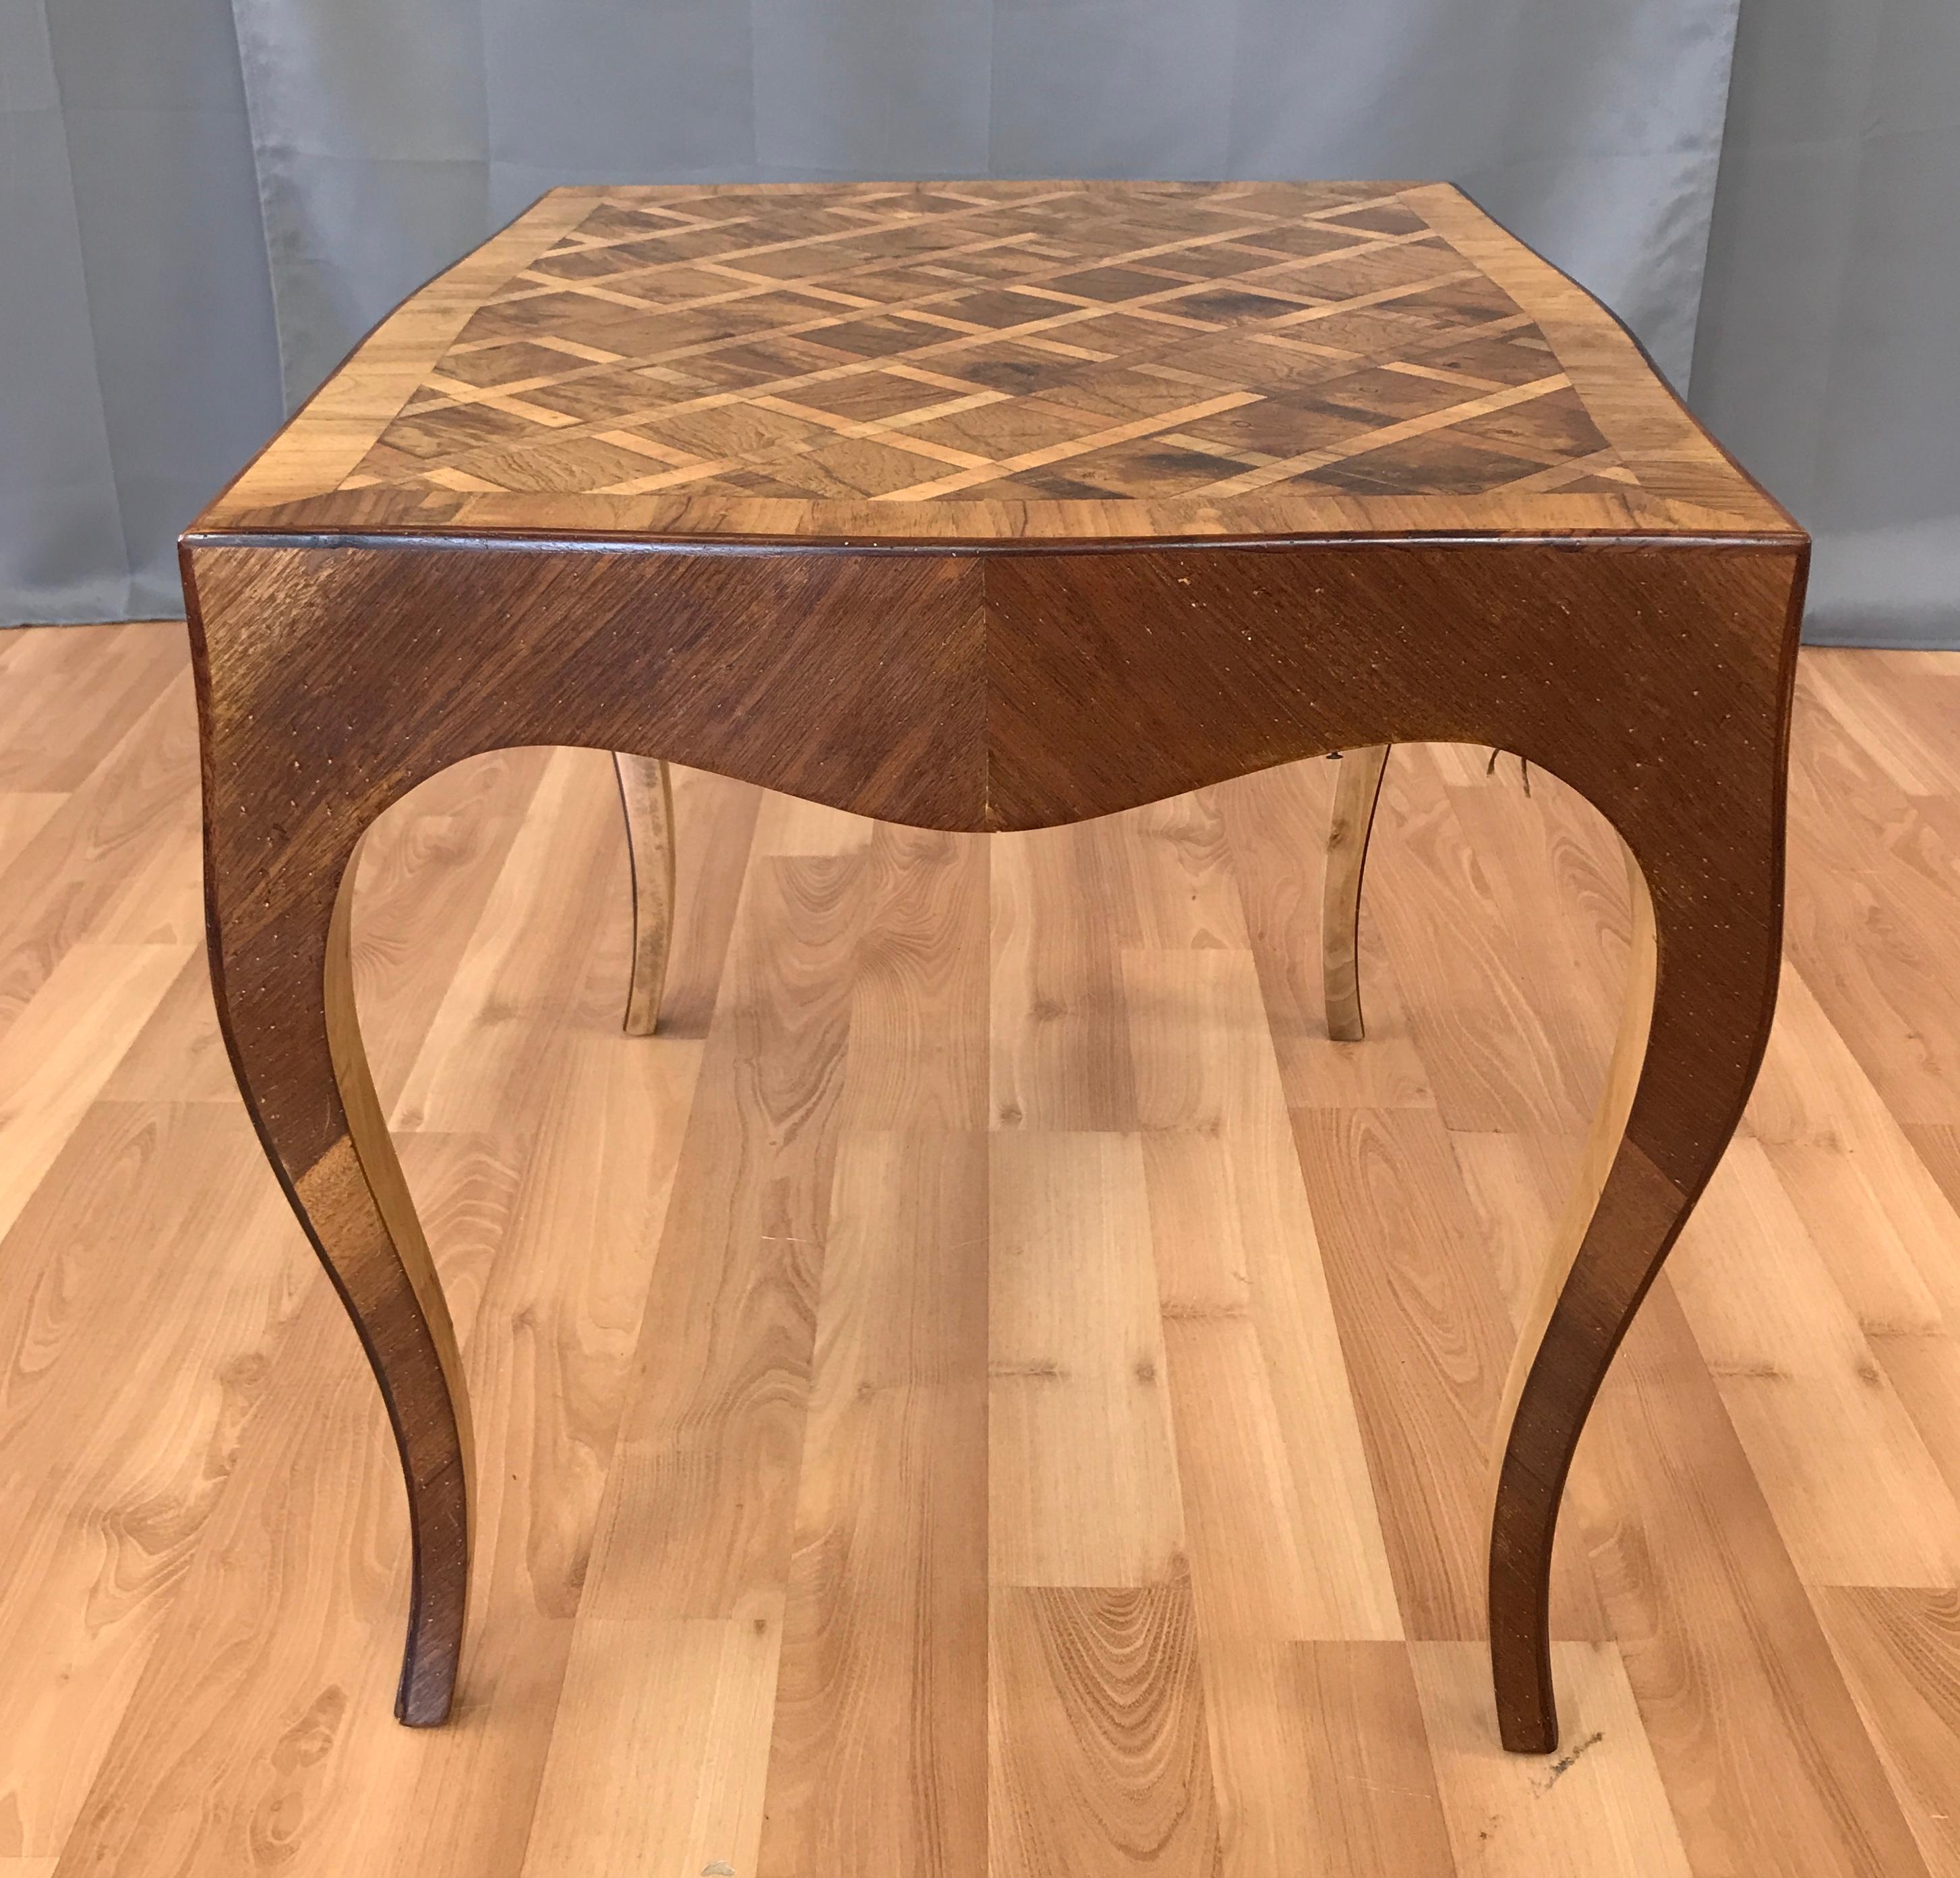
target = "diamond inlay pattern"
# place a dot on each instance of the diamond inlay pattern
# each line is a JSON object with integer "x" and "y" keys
{"x": 1003, "y": 343}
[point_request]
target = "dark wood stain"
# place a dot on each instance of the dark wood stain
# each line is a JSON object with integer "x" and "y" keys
{"x": 1001, "y": 682}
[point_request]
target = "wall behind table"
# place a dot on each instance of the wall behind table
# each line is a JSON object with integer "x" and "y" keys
{"x": 223, "y": 194}
{"x": 138, "y": 365}
{"x": 1829, "y": 353}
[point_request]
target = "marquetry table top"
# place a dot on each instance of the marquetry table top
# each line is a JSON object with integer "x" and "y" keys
{"x": 998, "y": 360}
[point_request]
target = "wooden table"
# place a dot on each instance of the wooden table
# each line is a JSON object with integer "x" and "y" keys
{"x": 992, "y": 506}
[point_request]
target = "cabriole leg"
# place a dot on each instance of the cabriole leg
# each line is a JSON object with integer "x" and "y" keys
{"x": 280, "y": 891}
{"x": 646, "y": 798}
{"x": 1686, "y": 1055}
{"x": 1356, "y": 788}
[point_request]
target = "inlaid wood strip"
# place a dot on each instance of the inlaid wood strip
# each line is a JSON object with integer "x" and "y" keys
{"x": 1129, "y": 358}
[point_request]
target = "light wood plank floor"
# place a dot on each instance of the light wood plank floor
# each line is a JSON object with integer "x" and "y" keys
{"x": 990, "y": 1389}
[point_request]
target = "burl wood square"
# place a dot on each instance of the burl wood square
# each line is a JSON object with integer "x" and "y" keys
{"x": 991, "y": 506}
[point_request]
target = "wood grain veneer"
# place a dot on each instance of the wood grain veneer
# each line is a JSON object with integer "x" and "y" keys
{"x": 1464, "y": 511}
{"x": 986, "y": 360}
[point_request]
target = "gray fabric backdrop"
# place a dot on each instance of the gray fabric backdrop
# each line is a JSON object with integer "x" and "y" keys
{"x": 1828, "y": 356}
{"x": 206, "y": 202}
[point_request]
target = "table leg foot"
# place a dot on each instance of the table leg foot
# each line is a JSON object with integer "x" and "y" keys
{"x": 645, "y": 797}
{"x": 280, "y": 909}
{"x": 1680, "y": 1071}
{"x": 1358, "y": 787}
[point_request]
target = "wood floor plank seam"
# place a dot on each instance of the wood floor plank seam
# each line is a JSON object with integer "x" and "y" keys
{"x": 782, "y": 1652}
